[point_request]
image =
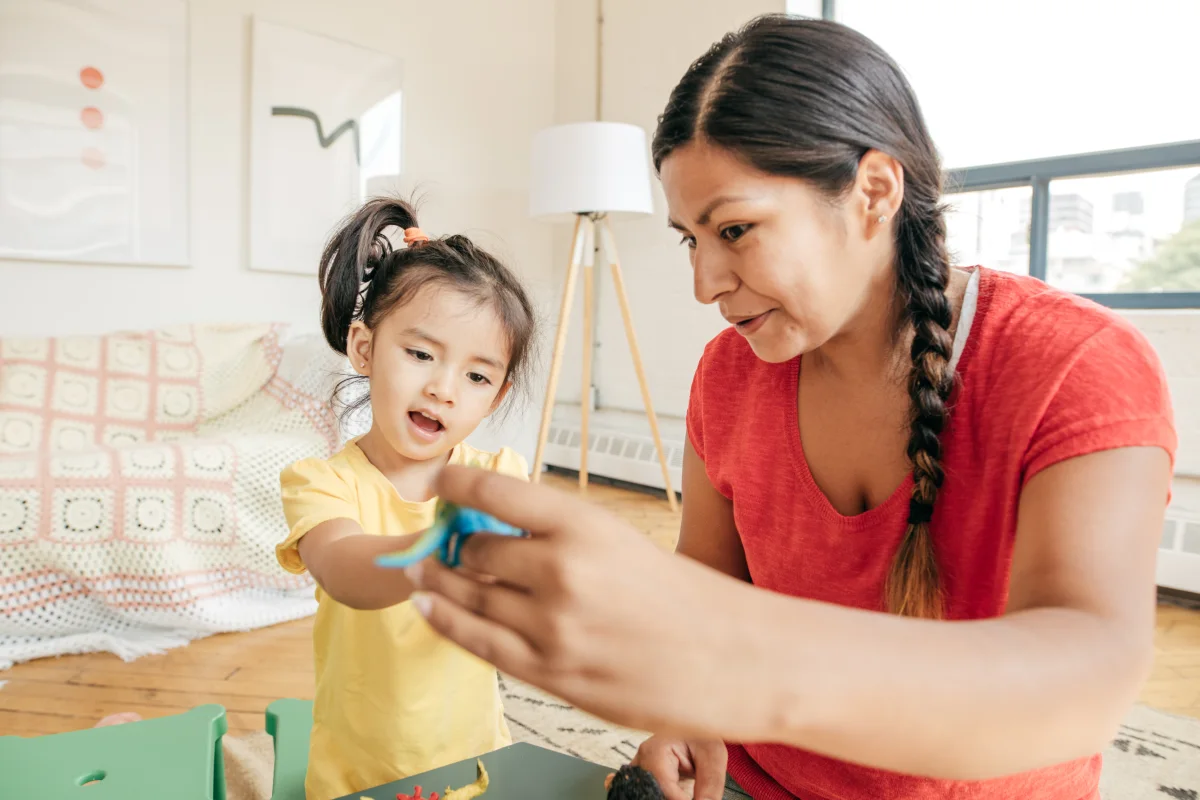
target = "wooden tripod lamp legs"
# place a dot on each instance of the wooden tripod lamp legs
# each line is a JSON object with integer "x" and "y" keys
{"x": 582, "y": 250}
{"x": 610, "y": 249}
{"x": 585, "y": 397}
{"x": 560, "y": 344}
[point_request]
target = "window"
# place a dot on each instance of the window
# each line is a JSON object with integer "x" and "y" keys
{"x": 1028, "y": 79}
{"x": 991, "y": 228}
{"x": 1122, "y": 227}
{"x": 1020, "y": 86}
{"x": 1138, "y": 232}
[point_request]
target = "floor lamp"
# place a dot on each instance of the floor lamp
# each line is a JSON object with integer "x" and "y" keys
{"x": 591, "y": 172}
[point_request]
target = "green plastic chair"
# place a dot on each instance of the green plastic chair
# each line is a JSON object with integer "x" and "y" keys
{"x": 289, "y": 722}
{"x": 177, "y": 757}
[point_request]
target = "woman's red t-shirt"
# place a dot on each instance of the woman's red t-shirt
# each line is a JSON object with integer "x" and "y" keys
{"x": 1044, "y": 376}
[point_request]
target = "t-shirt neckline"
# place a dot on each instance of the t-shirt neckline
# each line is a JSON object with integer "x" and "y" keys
{"x": 966, "y": 339}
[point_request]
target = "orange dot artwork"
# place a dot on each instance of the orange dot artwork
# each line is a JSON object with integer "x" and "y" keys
{"x": 92, "y": 118}
{"x": 93, "y": 158}
{"x": 91, "y": 77}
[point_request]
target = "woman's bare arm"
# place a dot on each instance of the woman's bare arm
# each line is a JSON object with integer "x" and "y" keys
{"x": 707, "y": 532}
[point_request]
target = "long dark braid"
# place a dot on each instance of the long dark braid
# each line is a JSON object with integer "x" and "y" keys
{"x": 923, "y": 272}
{"x": 808, "y": 99}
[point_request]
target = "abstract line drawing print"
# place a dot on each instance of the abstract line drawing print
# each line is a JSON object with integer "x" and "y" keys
{"x": 325, "y": 141}
{"x": 301, "y": 184}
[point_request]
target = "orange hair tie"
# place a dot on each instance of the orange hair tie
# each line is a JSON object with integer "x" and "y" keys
{"x": 414, "y": 236}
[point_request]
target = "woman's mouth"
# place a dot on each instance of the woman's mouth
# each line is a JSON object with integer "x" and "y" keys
{"x": 749, "y": 326}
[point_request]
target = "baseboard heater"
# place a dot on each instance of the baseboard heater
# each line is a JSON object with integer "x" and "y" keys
{"x": 1179, "y": 552}
{"x": 620, "y": 446}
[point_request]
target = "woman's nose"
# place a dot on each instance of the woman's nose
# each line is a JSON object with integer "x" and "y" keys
{"x": 711, "y": 276}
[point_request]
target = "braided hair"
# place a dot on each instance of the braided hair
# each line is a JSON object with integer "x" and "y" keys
{"x": 364, "y": 278}
{"x": 808, "y": 99}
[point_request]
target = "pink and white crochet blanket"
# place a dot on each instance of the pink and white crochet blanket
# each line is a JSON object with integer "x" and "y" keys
{"x": 139, "y": 485}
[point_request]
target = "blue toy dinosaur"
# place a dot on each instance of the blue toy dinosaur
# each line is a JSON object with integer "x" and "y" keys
{"x": 452, "y": 526}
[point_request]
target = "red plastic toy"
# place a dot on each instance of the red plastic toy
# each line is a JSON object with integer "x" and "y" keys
{"x": 416, "y": 795}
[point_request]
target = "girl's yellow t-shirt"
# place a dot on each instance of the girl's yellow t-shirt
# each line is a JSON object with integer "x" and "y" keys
{"x": 393, "y": 698}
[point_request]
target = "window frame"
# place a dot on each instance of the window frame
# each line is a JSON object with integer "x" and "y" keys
{"x": 1038, "y": 173}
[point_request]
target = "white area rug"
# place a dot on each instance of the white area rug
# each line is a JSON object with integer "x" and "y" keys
{"x": 1156, "y": 756}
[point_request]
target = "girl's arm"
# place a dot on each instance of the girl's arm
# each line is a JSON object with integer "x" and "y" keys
{"x": 342, "y": 560}
{"x": 707, "y": 532}
{"x": 1048, "y": 682}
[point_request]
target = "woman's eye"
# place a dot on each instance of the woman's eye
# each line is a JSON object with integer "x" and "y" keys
{"x": 734, "y": 232}
{"x": 690, "y": 241}
{"x": 477, "y": 379}
{"x": 420, "y": 355}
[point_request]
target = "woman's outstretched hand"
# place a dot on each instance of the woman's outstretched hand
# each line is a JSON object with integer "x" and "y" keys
{"x": 590, "y": 610}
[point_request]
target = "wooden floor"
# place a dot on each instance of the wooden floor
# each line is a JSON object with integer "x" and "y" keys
{"x": 246, "y": 671}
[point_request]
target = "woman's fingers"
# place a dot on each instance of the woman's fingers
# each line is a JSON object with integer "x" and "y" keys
{"x": 521, "y": 563}
{"x": 664, "y": 764}
{"x": 495, "y": 602}
{"x": 495, "y": 644}
{"x": 711, "y": 760}
{"x": 536, "y": 508}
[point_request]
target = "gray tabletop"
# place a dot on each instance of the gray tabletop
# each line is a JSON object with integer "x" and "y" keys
{"x": 517, "y": 772}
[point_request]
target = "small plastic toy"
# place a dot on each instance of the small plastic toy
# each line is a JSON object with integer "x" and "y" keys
{"x": 452, "y": 526}
{"x": 469, "y": 792}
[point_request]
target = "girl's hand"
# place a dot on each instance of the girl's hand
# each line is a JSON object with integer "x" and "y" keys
{"x": 590, "y": 610}
{"x": 673, "y": 760}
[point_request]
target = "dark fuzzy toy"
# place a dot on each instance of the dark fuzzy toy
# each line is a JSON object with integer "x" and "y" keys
{"x": 634, "y": 783}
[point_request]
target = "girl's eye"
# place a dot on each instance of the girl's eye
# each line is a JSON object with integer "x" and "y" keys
{"x": 420, "y": 355}
{"x": 734, "y": 232}
{"x": 690, "y": 241}
{"x": 477, "y": 379}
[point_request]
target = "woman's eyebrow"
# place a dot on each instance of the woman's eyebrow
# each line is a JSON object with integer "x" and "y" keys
{"x": 707, "y": 213}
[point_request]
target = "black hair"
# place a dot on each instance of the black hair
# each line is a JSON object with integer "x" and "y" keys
{"x": 634, "y": 783}
{"x": 807, "y": 99}
{"x": 364, "y": 278}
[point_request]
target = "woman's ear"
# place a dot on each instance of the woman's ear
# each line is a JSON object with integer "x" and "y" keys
{"x": 878, "y": 190}
{"x": 500, "y": 395}
{"x": 358, "y": 348}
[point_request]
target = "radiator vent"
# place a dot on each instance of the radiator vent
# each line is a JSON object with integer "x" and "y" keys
{"x": 615, "y": 454}
{"x": 1179, "y": 552}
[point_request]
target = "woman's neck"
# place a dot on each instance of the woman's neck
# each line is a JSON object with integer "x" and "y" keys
{"x": 870, "y": 346}
{"x": 873, "y": 345}
{"x": 412, "y": 478}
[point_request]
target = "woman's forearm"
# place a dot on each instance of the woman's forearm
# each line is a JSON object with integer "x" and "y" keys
{"x": 345, "y": 569}
{"x": 960, "y": 700}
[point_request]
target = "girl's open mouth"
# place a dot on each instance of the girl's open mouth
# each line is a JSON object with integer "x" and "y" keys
{"x": 426, "y": 424}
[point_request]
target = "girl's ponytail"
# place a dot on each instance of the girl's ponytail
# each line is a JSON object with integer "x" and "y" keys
{"x": 353, "y": 257}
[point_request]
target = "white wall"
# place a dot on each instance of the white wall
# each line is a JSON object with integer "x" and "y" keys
{"x": 478, "y": 81}
{"x": 1175, "y": 336}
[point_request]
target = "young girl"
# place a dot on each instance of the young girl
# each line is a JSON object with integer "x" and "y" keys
{"x": 442, "y": 331}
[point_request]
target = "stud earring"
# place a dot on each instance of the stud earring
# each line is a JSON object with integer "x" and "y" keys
{"x": 882, "y": 218}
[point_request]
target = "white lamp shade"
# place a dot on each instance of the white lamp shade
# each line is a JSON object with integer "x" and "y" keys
{"x": 586, "y": 167}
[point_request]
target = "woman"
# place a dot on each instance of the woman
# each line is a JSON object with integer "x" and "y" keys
{"x": 950, "y": 482}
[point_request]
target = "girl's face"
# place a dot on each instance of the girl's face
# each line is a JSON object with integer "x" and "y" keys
{"x": 437, "y": 366}
{"x": 788, "y": 267}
